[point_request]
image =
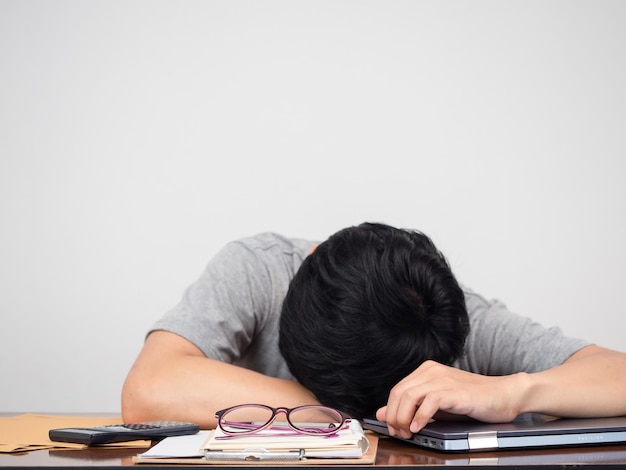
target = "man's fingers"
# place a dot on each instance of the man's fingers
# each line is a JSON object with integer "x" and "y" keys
{"x": 429, "y": 406}
{"x": 416, "y": 398}
{"x": 381, "y": 414}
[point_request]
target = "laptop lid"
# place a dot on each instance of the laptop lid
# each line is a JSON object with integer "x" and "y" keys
{"x": 527, "y": 431}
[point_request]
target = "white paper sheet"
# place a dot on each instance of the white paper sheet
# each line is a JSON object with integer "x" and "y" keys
{"x": 178, "y": 447}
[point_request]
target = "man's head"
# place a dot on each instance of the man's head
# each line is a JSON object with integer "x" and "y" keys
{"x": 364, "y": 310}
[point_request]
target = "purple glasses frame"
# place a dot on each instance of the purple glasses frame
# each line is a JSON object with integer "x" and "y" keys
{"x": 252, "y": 428}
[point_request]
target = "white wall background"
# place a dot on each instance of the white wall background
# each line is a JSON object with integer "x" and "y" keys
{"x": 137, "y": 137}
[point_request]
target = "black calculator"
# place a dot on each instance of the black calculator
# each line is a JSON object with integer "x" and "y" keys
{"x": 152, "y": 430}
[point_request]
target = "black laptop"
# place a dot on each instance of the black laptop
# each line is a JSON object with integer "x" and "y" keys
{"x": 526, "y": 432}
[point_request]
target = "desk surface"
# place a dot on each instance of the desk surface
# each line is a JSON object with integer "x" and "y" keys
{"x": 391, "y": 453}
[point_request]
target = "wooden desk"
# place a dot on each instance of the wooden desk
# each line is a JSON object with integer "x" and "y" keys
{"x": 391, "y": 453}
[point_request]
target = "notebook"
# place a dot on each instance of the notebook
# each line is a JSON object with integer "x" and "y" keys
{"x": 527, "y": 431}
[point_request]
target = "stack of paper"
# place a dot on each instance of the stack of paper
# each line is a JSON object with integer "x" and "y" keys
{"x": 348, "y": 442}
{"x": 353, "y": 448}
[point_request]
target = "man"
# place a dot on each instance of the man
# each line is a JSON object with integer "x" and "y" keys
{"x": 371, "y": 321}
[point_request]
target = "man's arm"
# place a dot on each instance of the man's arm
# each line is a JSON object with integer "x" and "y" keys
{"x": 590, "y": 383}
{"x": 173, "y": 380}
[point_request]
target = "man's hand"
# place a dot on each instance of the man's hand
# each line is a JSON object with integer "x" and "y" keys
{"x": 590, "y": 383}
{"x": 434, "y": 388}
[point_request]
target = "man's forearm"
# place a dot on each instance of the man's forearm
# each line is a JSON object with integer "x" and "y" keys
{"x": 591, "y": 383}
{"x": 167, "y": 383}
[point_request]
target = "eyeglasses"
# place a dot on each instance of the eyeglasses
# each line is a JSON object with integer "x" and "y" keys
{"x": 316, "y": 420}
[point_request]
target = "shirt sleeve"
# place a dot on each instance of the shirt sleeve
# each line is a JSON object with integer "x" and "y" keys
{"x": 232, "y": 312}
{"x": 221, "y": 311}
{"x": 501, "y": 342}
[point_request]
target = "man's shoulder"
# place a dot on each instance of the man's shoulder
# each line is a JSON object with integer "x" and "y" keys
{"x": 477, "y": 303}
{"x": 273, "y": 242}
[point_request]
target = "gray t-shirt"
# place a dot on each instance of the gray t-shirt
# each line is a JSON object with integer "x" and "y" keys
{"x": 232, "y": 314}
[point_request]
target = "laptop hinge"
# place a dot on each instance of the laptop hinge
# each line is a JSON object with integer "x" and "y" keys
{"x": 483, "y": 440}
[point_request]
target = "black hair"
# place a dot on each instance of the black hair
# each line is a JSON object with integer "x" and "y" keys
{"x": 364, "y": 310}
